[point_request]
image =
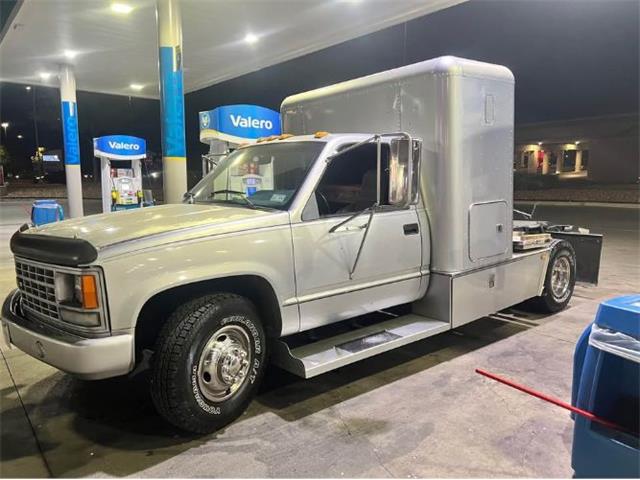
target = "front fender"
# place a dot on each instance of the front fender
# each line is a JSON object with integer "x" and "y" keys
{"x": 133, "y": 279}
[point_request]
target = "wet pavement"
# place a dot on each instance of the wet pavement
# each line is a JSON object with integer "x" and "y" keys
{"x": 418, "y": 411}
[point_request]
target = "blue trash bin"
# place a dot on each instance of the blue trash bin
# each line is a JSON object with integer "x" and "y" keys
{"x": 46, "y": 211}
{"x": 606, "y": 382}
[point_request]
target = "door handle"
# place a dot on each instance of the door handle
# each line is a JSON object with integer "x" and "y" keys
{"x": 411, "y": 229}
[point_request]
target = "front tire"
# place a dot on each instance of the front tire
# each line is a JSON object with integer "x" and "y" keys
{"x": 209, "y": 360}
{"x": 559, "y": 281}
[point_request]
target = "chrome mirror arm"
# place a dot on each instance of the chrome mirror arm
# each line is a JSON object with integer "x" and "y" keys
{"x": 347, "y": 220}
{"x": 364, "y": 237}
{"x": 350, "y": 147}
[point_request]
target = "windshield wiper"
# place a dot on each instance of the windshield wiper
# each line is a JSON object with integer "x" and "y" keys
{"x": 244, "y": 196}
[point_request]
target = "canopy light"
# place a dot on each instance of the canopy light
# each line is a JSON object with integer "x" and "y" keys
{"x": 70, "y": 54}
{"x": 45, "y": 75}
{"x": 20, "y": 137}
{"x": 122, "y": 8}
{"x": 136, "y": 86}
{"x": 27, "y": 88}
{"x": 251, "y": 38}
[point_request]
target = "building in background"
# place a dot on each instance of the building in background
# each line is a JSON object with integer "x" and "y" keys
{"x": 601, "y": 149}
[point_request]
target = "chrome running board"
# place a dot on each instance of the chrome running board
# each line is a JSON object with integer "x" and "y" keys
{"x": 328, "y": 354}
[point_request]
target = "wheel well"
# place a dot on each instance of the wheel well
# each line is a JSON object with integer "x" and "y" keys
{"x": 158, "y": 308}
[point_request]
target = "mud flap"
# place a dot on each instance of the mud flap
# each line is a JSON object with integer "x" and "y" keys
{"x": 588, "y": 247}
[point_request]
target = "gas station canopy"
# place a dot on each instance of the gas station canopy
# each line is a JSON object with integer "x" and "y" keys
{"x": 113, "y": 46}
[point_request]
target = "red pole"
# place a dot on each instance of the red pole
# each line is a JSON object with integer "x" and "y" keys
{"x": 553, "y": 400}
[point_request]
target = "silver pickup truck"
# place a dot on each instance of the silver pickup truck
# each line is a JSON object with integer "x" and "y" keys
{"x": 407, "y": 211}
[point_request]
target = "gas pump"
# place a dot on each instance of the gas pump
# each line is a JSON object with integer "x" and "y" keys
{"x": 120, "y": 171}
{"x": 226, "y": 127}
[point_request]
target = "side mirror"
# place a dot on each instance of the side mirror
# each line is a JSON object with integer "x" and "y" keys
{"x": 404, "y": 171}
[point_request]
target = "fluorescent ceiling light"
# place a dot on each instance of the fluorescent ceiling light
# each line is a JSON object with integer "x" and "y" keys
{"x": 121, "y": 8}
{"x": 251, "y": 38}
{"x": 70, "y": 54}
{"x": 136, "y": 86}
{"x": 45, "y": 75}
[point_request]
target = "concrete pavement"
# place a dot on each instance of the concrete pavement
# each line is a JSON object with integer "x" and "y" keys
{"x": 419, "y": 411}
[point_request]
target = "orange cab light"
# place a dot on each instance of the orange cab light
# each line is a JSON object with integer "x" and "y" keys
{"x": 89, "y": 292}
{"x": 321, "y": 134}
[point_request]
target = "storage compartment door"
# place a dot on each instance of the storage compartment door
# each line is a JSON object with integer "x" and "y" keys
{"x": 488, "y": 223}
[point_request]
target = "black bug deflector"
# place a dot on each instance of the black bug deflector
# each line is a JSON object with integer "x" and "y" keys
{"x": 588, "y": 248}
{"x": 70, "y": 252}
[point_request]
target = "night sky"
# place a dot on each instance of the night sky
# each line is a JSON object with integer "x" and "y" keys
{"x": 571, "y": 59}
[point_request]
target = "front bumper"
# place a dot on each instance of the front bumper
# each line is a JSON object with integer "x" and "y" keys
{"x": 86, "y": 358}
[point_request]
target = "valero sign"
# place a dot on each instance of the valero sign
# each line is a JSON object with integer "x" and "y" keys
{"x": 238, "y": 123}
{"x": 120, "y": 147}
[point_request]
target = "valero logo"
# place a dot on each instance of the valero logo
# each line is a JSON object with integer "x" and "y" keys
{"x": 238, "y": 123}
{"x": 120, "y": 146}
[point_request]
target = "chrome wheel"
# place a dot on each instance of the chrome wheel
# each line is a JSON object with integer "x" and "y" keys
{"x": 224, "y": 363}
{"x": 560, "y": 278}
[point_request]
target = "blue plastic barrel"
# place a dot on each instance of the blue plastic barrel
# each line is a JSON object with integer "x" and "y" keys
{"x": 46, "y": 211}
{"x": 606, "y": 382}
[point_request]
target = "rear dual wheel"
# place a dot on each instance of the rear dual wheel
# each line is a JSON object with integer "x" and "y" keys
{"x": 209, "y": 360}
{"x": 559, "y": 281}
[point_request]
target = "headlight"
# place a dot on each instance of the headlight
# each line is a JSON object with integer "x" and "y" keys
{"x": 78, "y": 298}
{"x": 86, "y": 319}
{"x": 78, "y": 291}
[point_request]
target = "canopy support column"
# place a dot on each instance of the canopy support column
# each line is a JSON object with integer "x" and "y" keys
{"x": 174, "y": 161}
{"x": 70, "y": 134}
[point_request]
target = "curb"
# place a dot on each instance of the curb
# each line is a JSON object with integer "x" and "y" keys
{"x": 553, "y": 203}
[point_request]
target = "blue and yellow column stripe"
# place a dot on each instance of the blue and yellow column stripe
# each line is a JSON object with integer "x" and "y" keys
{"x": 71, "y": 140}
{"x": 172, "y": 100}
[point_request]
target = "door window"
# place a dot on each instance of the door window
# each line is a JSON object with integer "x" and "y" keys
{"x": 349, "y": 183}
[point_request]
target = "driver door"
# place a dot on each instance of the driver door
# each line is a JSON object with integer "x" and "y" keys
{"x": 388, "y": 270}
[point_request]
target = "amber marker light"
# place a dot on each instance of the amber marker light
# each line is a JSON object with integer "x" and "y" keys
{"x": 89, "y": 292}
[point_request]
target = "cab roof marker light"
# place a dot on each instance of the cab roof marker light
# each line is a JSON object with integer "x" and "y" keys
{"x": 320, "y": 134}
{"x": 285, "y": 136}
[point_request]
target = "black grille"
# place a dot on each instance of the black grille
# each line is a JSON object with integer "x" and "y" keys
{"x": 37, "y": 285}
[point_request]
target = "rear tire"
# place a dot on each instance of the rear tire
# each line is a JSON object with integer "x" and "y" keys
{"x": 209, "y": 360}
{"x": 559, "y": 281}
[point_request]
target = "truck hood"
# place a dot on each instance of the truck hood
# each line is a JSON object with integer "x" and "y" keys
{"x": 109, "y": 229}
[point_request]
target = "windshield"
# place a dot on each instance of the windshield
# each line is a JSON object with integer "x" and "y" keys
{"x": 265, "y": 175}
